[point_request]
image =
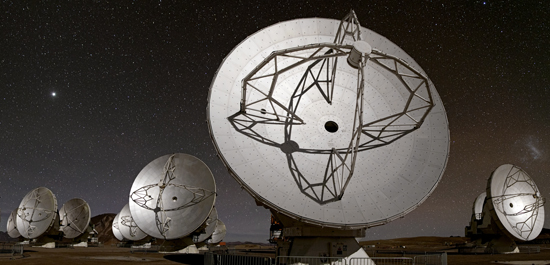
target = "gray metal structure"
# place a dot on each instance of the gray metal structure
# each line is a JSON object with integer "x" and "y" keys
{"x": 75, "y": 217}
{"x": 172, "y": 196}
{"x": 37, "y": 213}
{"x": 328, "y": 123}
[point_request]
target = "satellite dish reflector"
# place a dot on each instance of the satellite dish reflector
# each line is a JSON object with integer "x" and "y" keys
{"x": 172, "y": 196}
{"x": 210, "y": 226}
{"x": 128, "y": 227}
{"x": 478, "y": 206}
{"x": 116, "y": 229}
{"x": 219, "y": 232}
{"x": 37, "y": 213}
{"x": 516, "y": 202}
{"x": 75, "y": 217}
{"x": 332, "y": 127}
{"x": 12, "y": 225}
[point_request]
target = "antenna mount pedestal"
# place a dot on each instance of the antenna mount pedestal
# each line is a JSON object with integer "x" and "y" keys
{"x": 307, "y": 240}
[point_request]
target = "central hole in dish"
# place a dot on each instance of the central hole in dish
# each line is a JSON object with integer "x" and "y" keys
{"x": 331, "y": 126}
{"x": 174, "y": 199}
{"x": 511, "y": 205}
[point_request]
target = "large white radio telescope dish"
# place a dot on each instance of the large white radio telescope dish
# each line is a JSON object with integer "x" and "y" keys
{"x": 116, "y": 229}
{"x": 172, "y": 196}
{"x": 219, "y": 233}
{"x": 12, "y": 225}
{"x": 478, "y": 206}
{"x": 75, "y": 217}
{"x": 328, "y": 123}
{"x": 37, "y": 213}
{"x": 516, "y": 202}
{"x": 211, "y": 223}
{"x": 128, "y": 227}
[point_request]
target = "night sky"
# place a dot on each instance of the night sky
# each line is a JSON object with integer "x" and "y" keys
{"x": 131, "y": 82}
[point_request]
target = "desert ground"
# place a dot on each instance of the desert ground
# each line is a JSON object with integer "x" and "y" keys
{"x": 392, "y": 247}
{"x": 110, "y": 254}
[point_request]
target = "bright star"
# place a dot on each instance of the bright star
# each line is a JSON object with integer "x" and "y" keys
{"x": 53, "y": 94}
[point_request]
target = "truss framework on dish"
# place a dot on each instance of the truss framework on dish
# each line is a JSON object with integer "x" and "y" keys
{"x": 172, "y": 196}
{"x": 116, "y": 229}
{"x": 354, "y": 124}
{"x": 12, "y": 225}
{"x": 127, "y": 226}
{"x": 37, "y": 213}
{"x": 75, "y": 217}
{"x": 517, "y": 202}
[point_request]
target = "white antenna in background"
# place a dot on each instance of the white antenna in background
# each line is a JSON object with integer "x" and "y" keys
{"x": 116, "y": 229}
{"x": 219, "y": 233}
{"x": 172, "y": 196}
{"x": 75, "y": 217}
{"x": 37, "y": 213}
{"x": 12, "y": 225}
{"x": 209, "y": 229}
{"x": 128, "y": 227}
{"x": 37, "y": 217}
{"x": 513, "y": 210}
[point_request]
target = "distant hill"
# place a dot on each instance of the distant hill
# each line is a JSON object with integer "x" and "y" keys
{"x": 104, "y": 226}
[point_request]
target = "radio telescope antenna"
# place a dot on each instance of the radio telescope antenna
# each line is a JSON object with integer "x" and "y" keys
{"x": 478, "y": 206}
{"x": 210, "y": 227}
{"x": 75, "y": 218}
{"x": 219, "y": 233}
{"x": 328, "y": 124}
{"x": 516, "y": 202}
{"x": 513, "y": 211}
{"x": 37, "y": 213}
{"x": 478, "y": 214}
{"x": 12, "y": 225}
{"x": 116, "y": 229}
{"x": 172, "y": 196}
{"x": 128, "y": 227}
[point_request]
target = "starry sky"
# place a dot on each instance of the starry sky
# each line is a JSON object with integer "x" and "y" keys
{"x": 92, "y": 92}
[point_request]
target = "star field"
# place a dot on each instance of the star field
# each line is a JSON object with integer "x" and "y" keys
{"x": 91, "y": 93}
